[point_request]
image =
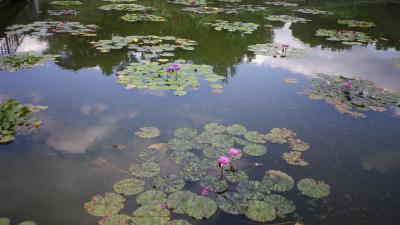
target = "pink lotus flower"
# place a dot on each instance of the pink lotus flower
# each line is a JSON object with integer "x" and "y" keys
{"x": 223, "y": 161}
{"x": 348, "y": 85}
{"x": 205, "y": 191}
{"x": 233, "y": 152}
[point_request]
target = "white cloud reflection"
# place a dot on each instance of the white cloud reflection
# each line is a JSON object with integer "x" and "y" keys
{"x": 360, "y": 61}
{"x": 31, "y": 43}
{"x": 384, "y": 161}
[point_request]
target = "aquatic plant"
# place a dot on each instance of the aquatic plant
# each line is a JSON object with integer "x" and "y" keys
{"x": 49, "y": 28}
{"x": 152, "y": 197}
{"x": 14, "y": 116}
{"x": 232, "y": 203}
{"x": 313, "y": 188}
{"x": 62, "y": 12}
{"x": 313, "y": 11}
{"x": 66, "y": 3}
{"x": 188, "y": 2}
{"x": 278, "y": 181}
{"x": 294, "y": 158}
{"x": 282, "y": 205}
{"x": 344, "y": 36}
{"x": 6, "y": 221}
{"x": 119, "y": 1}
{"x": 145, "y": 169}
{"x": 26, "y": 60}
{"x": 246, "y": 28}
{"x": 359, "y": 95}
{"x": 118, "y": 219}
{"x": 227, "y": 9}
{"x": 281, "y": 3}
{"x": 106, "y": 205}
{"x": 276, "y": 49}
{"x": 126, "y": 7}
{"x": 260, "y": 211}
{"x": 133, "y": 17}
{"x": 148, "y": 132}
{"x": 169, "y": 184}
{"x": 154, "y": 76}
{"x": 151, "y": 215}
{"x": 356, "y": 23}
{"x": 131, "y": 186}
{"x": 290, "y": 80}
{"x": 287, "y": 19}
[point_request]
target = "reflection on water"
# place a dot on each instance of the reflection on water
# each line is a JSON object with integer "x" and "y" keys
{"x": 383, "y": 161}
{"x": 31, "y": 43}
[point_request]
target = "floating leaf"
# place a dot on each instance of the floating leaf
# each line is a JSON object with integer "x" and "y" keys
{"x": 118, "y": 219}
{"x": 153, "y": 155}
{"x": 200, "y": 207}
{"x": 152, "y": 197}
{"x": 28, "y": 60}
{"x": 287, "y": 19}
{"x": 232, "y": 203}
{"x": 290, "y": 80}
{"x": 148, "y": 132}
{"x": 260, "y": 211}
{"x": 192, "y": 171}
{"x": 180, "y": 144}
{"x": 277, "y": 49}
{"x": 294, "y": 158}
{"x": 133, "y": 17}
{"x": 159, "y": 147}
{"x": 298, "y": 145}
{"x": 280, "y": 3}
{"x": 343, "y": 35}
{"x": 4, "y": 221}
{"x": 255, "y": 150}
{"x": 27, "y": 223}
{"x": 145, "y": 169}
{"x": 313, "y": 11}
{"x": 255, "y": 137}
{"x": 151, "y": 215}
{"x": 169, "y": 184}
{"x": 236, "y": 129}
{"x": 356, "y": 23}
{"x": 125, "y": 7}
{"x": 179, "y": 157}
{"x": 131, "y": 186}
{"x": 250, "y": 190}
{"x": 62, "y": 12}
{"x": 186, "y": 133}
{"x": 214, "y": 183}
{"x": 188, "y": 2}
{"x": 236, "y": 176}
{"x": 177, "y": 201}
{"x": 108, "y": 205}
{"x": 282, "y": 205}
{"x": 66, "y": 3}
{"x": 214, "y": 128}
{"x": 275, "y": 180}
{"x": 313, "y": 188}
{"x": 246, "y": 28}
{"x": 279, "y": 135}
{"x": 178, "y": 222}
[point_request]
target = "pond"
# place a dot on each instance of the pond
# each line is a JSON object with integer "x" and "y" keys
{"x": 290, "y": 112}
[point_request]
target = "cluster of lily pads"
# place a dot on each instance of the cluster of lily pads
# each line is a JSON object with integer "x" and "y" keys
{"x": 66, "y": 3}
{"x": 125, "y": 7}
{"x": 150, "y": 46}
{"x": 276, "y": 49}
{"x": 156, "y": 76}
{"x": 356, "y": 23}
{"x": 48, "y": 28}
{"x": 345, "y": 36}
{"x": 119, "y": 1}
{"x": 26, "y": 60}
{"x": 188, "y": 2}
{"x": 281, "y": 3}
{"x": 352, "y": 95}
{"x": 62, "y": 12}
{"x": 6, "y": 221}
{"x": 13, "y": 116}
{"x": 246, "y": 28}
{"x": 287, "y": 19}
{"x": 133, "y": 17}
{"x": 208, "y": 160}
{"x": 227, "y": 9}
{"x": 313, "y": 11}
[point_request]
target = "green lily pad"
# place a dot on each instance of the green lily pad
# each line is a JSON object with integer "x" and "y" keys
{"x": 169, "y": 184}
{"x": 232, "y": 203}
{"x": 28, "y": 60}
{"x": 125, "y": 7}
{"x": 356, "y": 23}
{"x": 214, "y": 183}
{"x": 148, "y": 132}
{"x": 298, "y": 145}
{"x": 66, "y": 3}
{"x": 180, "y": 144}
{"x": 152, "y": 197}
{"x": 177, "y": 201}
{"x": 133, "y": 17}
{"x": 159, "y": 147}
{"x": 151, "y": 215}
{"x": 275, "y": 180}
{"x": 178, "y": 222}
{"x": 192, "y": 171}
{"x": 255, "y": 150}
{"x": 179, "y": 157}
{"x": 4, "y": 221}
{"x": 313, "y": 188}
{"x": 200, "y": 207}
{"x": 236, "y": 176}
{"x": 294, "y": 158}
{"x": 282, "y": 205}
{"x": 186, "y": 133}
{"x": 313, "y": 11}
{"x": 236, "y": 129}
{"x": 188, "y": 2}
{"x": 279, "y": 135}
{"x": 131, "y": 186}
{"x": 287, "y": 19}
{"x": 251, "y": 190}
{"x": 280, "y": 3}
{"x": 118, "y": 219}
{"x": 255, "y": 137}
{"x": 260, "y": 211}
{"x": 152, "y": 155}
{"x": 108, "y": 205}
{"x": 246, "y": 28}
{"x": 277, "y": 49}
{"x": 343, "y": 35}
{"x": 145, "y": 169}
{"x": 213, "y": 153}
{"x": 222, "y": 141}
{"x": 214, "y": 128}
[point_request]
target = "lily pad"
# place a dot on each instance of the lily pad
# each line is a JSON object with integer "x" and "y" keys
{"x": 151, "y": 215}
{"x": 214, "y": 128}
{"x": 313, "y": 188}
{"x": 192, "y": 171}
{"x": 200, "y": 207}
{"x": 294, "y": 158}
{"x": 148, "y": 132}
{"x": 28, "y": 60}
{"x": 152, "y": 155}
{"x": 169, "y": 184}
{"x": 188, "y": 2}
{"x": 236, "y": 176}
{"x": 133, "y": 17}
{"x": 4, "y": 221}
{"x": 277, "y": 49}
{"x": 186, "y": 133}
{"x": 214, "y": 183}
{"x": 279, "y": 135}
{"x": 125, "y": 7}
{"x": 222, "y": 141}
{"x": 158, "y": 147}
{"x": 251, "y": 190}
{"x": 28, "y": 222}
{"x": 118, "y": 219}
{"x": 356, "y": 23}
{"x": 282, "y": 205}
{"x": 178, "y": 222}
{"x": 343, "y": 35}
{"x": 280, "y": 3}
{"x": 145, "y": 169}
{"x": 177, "y": 201}
{"x": 152, "y": 197}
{"x": 255, "y": 150}
{"x": 287, "y": 19}
{"x": 106, "y": 205}
{"x": 245, "y": 28}
{"x": 232, "y": 203}
{"x": 180, "y": 144}
{"x": 255, "y": 136}
{"x": 260, "y": 211}
{"x": 313, "y": 11}
{"x": 62, "y": 12}
{"x": 131, "y": 186}
{"x": 179, "y": 157}
{"x": 275, "y": 180}
{"x": 236, "y": 129}
{"x": 298, "y": 145}
{"x": 66, "y": 3}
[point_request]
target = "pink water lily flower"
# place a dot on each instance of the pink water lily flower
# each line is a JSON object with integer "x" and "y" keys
{"x": 233, "y": 152}
{"x": 223, "y": 161}
{"x": 348, "y": 85}
{"x": 205, "y": 191}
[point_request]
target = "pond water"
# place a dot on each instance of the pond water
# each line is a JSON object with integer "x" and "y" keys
{"x": 48, "y": 174}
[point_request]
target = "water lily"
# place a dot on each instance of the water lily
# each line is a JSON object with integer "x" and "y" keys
{"x": 233, "y": 152}
{"x": 176, "y": 67}
{"x": 205, "y": 191}
{"x": 224, "y": 161}
{"x": 348, "y": 85}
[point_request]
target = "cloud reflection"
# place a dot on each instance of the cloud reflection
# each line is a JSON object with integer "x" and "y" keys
{"x": 384, "y": 161}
